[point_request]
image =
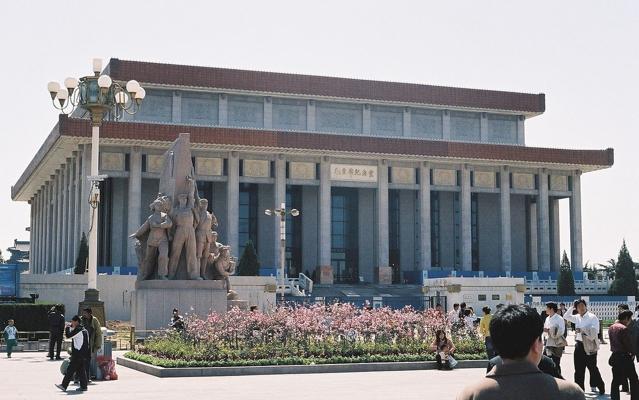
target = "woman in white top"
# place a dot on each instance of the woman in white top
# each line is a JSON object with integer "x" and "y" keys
{"x": 554, "y": 328}
{"x": 586, "y": 346}
{"x": 10, "y": 334}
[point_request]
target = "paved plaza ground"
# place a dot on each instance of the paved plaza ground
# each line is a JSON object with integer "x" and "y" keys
{"x": 31, "y": 376}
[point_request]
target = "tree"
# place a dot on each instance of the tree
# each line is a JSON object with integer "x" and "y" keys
{"x": 566, "y": 282}
{"x": 249, "y": 264}
{"x": 625, "y": 283}
{"x": 83, "y": 254}
{"x": 609, "y": 268}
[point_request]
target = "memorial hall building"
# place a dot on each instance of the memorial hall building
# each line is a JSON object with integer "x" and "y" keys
{"x": 391, "y": 179}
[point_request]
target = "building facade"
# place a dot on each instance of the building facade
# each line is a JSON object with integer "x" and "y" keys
{"x": 391, "y": 179}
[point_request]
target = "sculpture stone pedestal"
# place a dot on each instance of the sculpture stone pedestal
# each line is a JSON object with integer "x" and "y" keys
{"x": 92, "y": 301}
{"x": 154, "y": 301}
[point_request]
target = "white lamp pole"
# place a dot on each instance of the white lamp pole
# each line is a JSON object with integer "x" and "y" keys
{"x": 282, "y": 212}
{"x": 102, "y": 98}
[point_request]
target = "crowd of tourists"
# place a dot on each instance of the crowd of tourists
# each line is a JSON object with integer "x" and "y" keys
{"x": 525, "y": 349}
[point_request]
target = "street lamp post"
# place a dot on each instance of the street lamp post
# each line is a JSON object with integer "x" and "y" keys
{"x": 282, "y": 212}
{"x": 103, "y": 99}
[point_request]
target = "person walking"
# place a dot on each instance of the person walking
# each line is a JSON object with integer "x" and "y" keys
{"x": 10, "y": 334}
{"x": 80, "y": 354}
{"x": 484, "y": 331}
{"x": 516, "y": 332}
{"x": 554, "y": 327}
{"x": 622, "y": 349}
{"x": 56, "y": 330}
{"x": 586, "y": 346}
{"x": 94, "y": 329}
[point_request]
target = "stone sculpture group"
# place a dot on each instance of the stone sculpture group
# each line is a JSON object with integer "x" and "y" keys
{"x": 178, "y": 238}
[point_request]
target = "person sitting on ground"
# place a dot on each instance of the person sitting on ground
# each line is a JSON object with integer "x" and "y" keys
{"x": 177, "y": 321}
{"x": 516, "y": 332}
{"x": 444, "y": 356}
{"x": 438, "y": 345}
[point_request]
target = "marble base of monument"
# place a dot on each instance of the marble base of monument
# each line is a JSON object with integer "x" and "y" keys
{"x": 92, "y": 301}
{"x": 154, "y": 301}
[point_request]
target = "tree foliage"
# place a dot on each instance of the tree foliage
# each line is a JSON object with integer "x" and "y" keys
{"x": 83, "y": 255}
{"x": 625, "y": 283}
{"x": 249, "y": 264}
{"x": 566, "y": 281}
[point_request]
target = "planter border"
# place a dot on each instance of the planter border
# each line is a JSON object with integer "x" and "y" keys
{"x": 162, "y": 372}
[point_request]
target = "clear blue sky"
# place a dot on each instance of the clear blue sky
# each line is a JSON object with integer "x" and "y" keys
{"x": 583, "y": 54}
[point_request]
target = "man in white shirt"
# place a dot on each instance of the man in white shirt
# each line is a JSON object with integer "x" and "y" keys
{"x": 453, "y": 315}
{"x": 554, "y": 328}
{"x": 587, "y": 343}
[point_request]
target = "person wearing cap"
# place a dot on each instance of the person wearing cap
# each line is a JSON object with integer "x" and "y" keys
{"x": 94, "y": 329}
{"x": 80, "y": 354}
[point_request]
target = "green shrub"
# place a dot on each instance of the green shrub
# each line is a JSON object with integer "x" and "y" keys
{"x": 27, "y": 316}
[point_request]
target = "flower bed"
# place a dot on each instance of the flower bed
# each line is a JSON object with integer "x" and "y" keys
{"x": 293, "y": 335}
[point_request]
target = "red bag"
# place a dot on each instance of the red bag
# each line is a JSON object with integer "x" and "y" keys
{"x": 107, "y": 366}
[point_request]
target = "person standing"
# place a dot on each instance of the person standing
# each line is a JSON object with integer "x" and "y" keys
{"x": 622, "y": 350}
{"x": 56, "y": 330}
{"x": 484, "y": 331}
{"x": 516, "y": 332}
{"x": 586, "y": 346}
{"x": 453, "y": 315}
{"x": 10, "y": 334}
{"x": 80, "y": 354}
{"x": 554, "y": 327}
{"x": 94, "y": 330}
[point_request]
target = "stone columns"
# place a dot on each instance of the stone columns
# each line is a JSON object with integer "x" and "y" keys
{"x": 57, "y": 233}
{"x": 31, "y": 229}
{"x": 85, "y": 216}
{"x": 384, "y": 272}
{"x": 324, "y": 255}
{"x": 176, "y": 109}
{"x": 425, "y": 262}
{"x": 135, "y": 202}
{"x": 555, "y": 259}
{"x": 543, "y": 223}
{"x": 233, "y": 202}
{"x": 576, "y": 259}
{"x": 64, "y": 197}
{"x": 279, "y": 196}
{"x": 466, "y": 234}
{"x": 40, "y": 247}
{"x": 71, "y": 213}
{"x": 77, "y": 220}
{"x": 506, "y": 247}
{"x": 48, "y": 243}
{"x": 310, "y": 116}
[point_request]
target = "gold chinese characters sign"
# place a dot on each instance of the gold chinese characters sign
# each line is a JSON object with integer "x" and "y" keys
{"x": 353, "y": 173}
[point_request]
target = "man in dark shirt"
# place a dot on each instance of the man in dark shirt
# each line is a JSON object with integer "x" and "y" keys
{"x": 56, "y": 330}
{"x": 546, "y": 365}
{"x": 622, "y": 350}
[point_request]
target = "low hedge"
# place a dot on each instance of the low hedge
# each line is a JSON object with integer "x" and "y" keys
{"x": 180, "y": 363}
{"x": 28, "y": 317}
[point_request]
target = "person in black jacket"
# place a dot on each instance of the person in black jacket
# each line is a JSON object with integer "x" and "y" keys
{"x": 56, "y": 330}
{"x": 546, "y": 365}
{"x": 80, "y": 354}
